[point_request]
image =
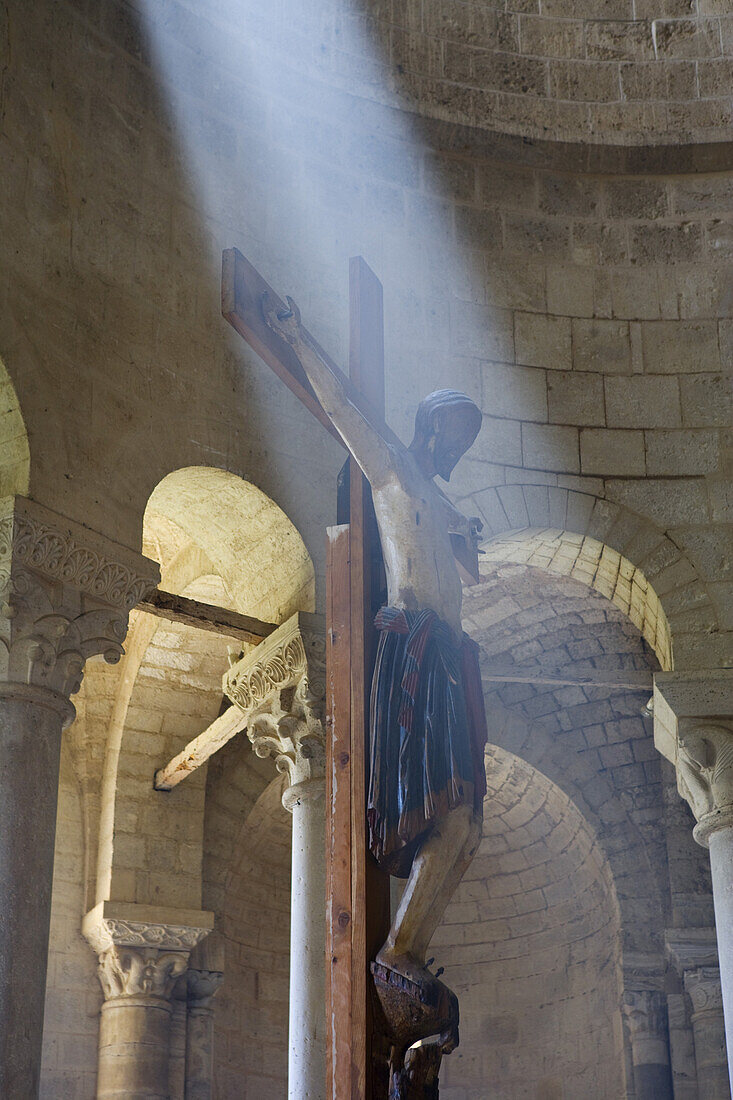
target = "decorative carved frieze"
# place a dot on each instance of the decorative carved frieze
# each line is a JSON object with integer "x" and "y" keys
{"x": 294, "y": 656}
{"x": 56, "y": 548}
{"x": 278, "y": 694}
{"x": 281, "y": 685}
{"x": 65, "y": 595}
{"x": 126, "y": 924}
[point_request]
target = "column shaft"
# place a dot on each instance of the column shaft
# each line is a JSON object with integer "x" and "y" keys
{"x": 307, "y": 1050}
{"x": 199, "y": 1053}
{"x": 30, "y": 746}
{"x": 720, "y": 844}
{"x": 134, "y": 1045}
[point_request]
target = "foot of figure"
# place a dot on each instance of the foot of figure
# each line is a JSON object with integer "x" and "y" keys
{"x": 407, "y": 966}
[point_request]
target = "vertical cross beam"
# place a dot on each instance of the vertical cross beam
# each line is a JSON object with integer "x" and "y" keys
{"x": 351, "y": 1034}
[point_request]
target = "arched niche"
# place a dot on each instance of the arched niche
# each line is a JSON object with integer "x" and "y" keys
{"x": 219, "y": 540}
{"x": 15, "y": 459}
{"x": 531, "y": 944}
{"x": 600, "y": 567}
{"x": 248, "y": 539}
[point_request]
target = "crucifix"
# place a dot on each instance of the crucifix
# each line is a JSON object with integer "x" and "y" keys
{"x": 405, "y": 777}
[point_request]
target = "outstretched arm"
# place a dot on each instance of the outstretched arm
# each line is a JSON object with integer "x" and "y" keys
{"x": 363, "y": 439}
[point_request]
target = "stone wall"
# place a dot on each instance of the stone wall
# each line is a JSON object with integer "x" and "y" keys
{"x": 580, "y": 293}
{"x": 589, "y": 313}
{"x": 531, "y": 944}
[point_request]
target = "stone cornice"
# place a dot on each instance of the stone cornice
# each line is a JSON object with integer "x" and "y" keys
{"x": 65, "y": 595}
{"x": 280, "y": 687}
{"x": 61, "y": 550}
{"x": 689, "y": 948}
{"x": 292, "y": 653}
{"x": 126, "y": 924}
{"x": 278, "y": 693}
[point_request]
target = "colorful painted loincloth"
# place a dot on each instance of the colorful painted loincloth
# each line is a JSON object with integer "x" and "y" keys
{"x": 427, "y": 733}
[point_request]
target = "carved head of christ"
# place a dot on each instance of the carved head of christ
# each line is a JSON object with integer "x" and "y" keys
{"x": 446, "y": 424}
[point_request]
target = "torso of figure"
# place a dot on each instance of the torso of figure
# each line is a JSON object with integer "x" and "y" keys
{"x": 415, "y": 520}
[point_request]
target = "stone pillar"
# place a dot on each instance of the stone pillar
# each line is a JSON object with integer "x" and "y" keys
{"x": 65, "y": 595}
{"x": 203, "y": 986}
{"x": 693, "y": 727}
{"x": 694, "y": 955}
{"x": 285, "y": 678}
{"x": 143, "y": 950}
{"x": 708, "y": 1028}
{"x": 306, "y": 1059}
{"x": 646, "y": 1015}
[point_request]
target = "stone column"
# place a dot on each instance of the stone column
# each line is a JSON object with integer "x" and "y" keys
{"x": 693, "y": 952}
{"x": 703, "y": 987}
{"x": 203, "y": 986}
{"x": 646, "y": 1015}
{"x": 287, "y": 674}
{"x": 65, "y": 595}
{"x": 143, "y": 950}
{"x": 693, "y": 727}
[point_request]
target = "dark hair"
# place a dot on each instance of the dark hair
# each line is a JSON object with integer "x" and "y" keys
{"x": 439, "y": 399}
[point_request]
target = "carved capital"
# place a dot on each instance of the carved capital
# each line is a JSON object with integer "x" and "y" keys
{"x": 645, "y": 1011}
{"x": 705, "y": 774}
{"x": 280, "y": 686}
{"x": 202, "y": 987}
{"x": 704, "y": 989}
{"x": 693, "y": 728}
{"x": 140, "y": 971}
{"x": 65, "y": 596}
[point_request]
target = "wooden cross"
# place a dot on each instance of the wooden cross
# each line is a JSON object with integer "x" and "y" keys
{"x": 357, "y": 891}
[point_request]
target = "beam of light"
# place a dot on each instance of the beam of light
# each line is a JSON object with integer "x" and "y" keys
{"x": 299, "y": 148}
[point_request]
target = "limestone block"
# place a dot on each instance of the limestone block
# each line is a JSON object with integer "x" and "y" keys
{"x": 642, "y": 402}
{"x": 707, "y": 400}
{"x": 663, "y": 244}
{"x": 678, "y": 347}
{"x": 682, "y": 452}
{"x": 575, "y": 398}
{"x": 549, "y": 446}
{"x": 514, "y": 392}
{"x": 542, "y": 340}
{"x": 612, "y": 452}
{"x": 600, "y": 345}
{"x": 548, "y": 237}
{"x": 594, "y": 81}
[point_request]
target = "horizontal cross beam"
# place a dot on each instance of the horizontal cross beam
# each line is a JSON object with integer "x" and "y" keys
{"x": 205, "y": 616}
{"x": 198, "y": 751}
{"x": 613, "y": 678}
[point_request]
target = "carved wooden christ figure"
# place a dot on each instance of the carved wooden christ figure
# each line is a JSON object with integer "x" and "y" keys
{"x": 428, "y": 726}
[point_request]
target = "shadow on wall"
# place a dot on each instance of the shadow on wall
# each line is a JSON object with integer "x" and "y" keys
{"x": 15, "y": 458}
{"x": 531, "y": 944}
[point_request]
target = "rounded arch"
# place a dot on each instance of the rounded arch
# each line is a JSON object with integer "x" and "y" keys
{"x": 15, "y": 456}
{"x": 249, "y": 540}
{"x": 221, "y": 540}
{"x": 587, "y": 734}
{"x": 595, "y": 564}
{"x": 694, "y": 609}
{"x": 531, "y": 944}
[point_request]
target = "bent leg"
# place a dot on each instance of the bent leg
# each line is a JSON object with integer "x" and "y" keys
{"x": 450, "y": 884}
{"x": 433, "y": 877}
